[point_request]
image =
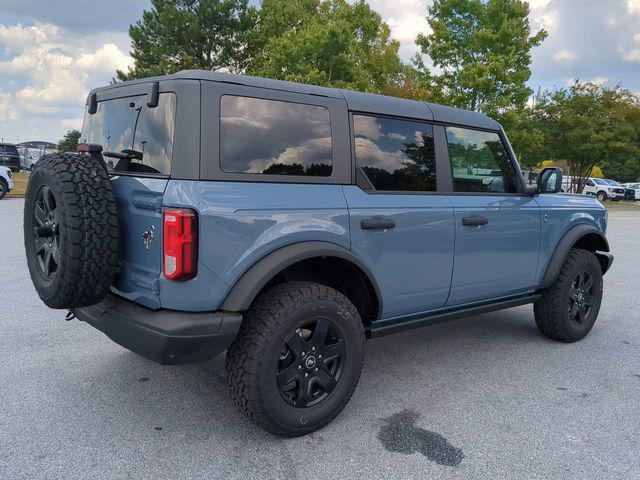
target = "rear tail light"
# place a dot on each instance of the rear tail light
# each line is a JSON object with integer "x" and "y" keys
{"x": 180, "y": 243}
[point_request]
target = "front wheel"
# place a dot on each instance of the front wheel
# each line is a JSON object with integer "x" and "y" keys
{"x": 4, "y": 188}
{"x": 297, "y": 358}
{"x": 602, "y": 196}
{"x": 569, "y": 308}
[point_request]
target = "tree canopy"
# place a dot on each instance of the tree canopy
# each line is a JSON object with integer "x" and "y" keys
{"x": 481, "y": 51}
{"x": 69, "y": 142}
{"x": 179, "y": 35}
{"x": 325, "y": 42}
{"x": 588, "y": 125}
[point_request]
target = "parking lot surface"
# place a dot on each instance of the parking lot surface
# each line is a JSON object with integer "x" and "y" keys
{"x": 482, "y": 397}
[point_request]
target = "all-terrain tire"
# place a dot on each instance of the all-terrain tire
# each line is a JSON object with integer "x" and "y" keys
{"x": 4, "y": 188}
{"x": 553, "y": 312}
{"x": 70, "y": 215}
{"x": 253, "y": 357}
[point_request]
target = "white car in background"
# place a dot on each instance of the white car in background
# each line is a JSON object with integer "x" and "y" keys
{"x": 6, "y": 182}
{"x": 29, "y": 156}
{"x": 604, "y": 189}
{"x": 635, "y": 187}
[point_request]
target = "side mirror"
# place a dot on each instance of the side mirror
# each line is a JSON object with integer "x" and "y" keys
{"x": 550, "y": 180}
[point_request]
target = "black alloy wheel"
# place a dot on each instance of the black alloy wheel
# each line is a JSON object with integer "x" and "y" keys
{"x": 569, "y": 308}
{"x": 311, "y": 363}
{"x": 581, "y": 297}
{"x": 46, "y": 231}
{"x": 297, "y": 358}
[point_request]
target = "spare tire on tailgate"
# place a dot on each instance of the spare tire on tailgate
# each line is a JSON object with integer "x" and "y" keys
{"x": 71, "y": 232}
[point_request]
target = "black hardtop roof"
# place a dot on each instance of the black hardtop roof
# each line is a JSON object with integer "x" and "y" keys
{"x": 356, "y": 101}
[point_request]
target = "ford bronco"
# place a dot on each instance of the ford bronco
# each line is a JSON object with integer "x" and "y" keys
{"x": 286, "y": 223}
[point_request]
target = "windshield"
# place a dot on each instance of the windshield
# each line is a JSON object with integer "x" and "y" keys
{"x": 611, "y": 182}
{"x": 134, "y": 138}
{"x": 598, "y": 181}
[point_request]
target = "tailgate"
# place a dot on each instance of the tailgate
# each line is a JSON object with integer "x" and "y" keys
{"x": 139, "y": 202}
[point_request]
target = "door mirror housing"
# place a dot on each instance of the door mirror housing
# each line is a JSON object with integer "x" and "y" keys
{"x": 550, "y": 180}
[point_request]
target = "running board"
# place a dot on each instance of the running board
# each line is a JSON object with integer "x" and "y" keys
{"x": 448, "y": 316}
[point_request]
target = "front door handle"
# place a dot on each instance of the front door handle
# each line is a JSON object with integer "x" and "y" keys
{"x": 377, "y": 224}
{"x": 474, "y": 221}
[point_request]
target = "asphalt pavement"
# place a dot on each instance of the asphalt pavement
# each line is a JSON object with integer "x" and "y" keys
{"x": 483, "y": 397}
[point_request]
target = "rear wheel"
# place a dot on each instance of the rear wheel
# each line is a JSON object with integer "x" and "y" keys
{"x": 568, "y": 309}
{"x": 297, "y": 358}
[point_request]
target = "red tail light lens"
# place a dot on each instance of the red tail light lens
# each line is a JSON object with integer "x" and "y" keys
{"x": 180, "y": 242}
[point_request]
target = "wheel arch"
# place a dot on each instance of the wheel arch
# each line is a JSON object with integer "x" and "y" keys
{"x": 586, "y": 237}
{"x": 305, "y": 260}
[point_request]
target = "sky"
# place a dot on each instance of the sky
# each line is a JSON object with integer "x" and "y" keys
{"x": 50, "y": 57}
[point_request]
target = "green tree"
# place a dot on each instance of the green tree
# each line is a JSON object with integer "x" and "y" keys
{"x": 179, "y": 35}
{"x": 526, "y": 133}
{"x": 588, "y": 125}
{"x": 482, "y": 52}
{"x": 69, "y": 142}
{"x": 325, "y": 42}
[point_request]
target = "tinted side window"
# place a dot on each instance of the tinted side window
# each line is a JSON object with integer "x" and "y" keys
{"x": 396, "y": 155}
{"x": 128, "y": 124}
{"x": 480, "y": 162}
{"x": 273, "y": 137}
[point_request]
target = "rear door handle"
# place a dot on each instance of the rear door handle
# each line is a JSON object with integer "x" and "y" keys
{"x": 474, "y": 221}
{"x": 377, "y": 224}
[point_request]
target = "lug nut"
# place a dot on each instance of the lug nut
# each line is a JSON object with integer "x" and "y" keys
{"x": 304, "y": 353}
{"x": 306, "y": 375}
{"x": 316, "y": 369}
{"x": 313, "y": 348}
{"x": 320, "y": 356}
{"x": 299, "y": 367}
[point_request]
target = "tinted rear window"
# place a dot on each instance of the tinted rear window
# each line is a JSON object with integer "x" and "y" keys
{"x": 127, "y": 124}
{"x": 273, "y": 137}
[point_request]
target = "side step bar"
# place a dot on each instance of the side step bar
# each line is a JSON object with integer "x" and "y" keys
{"x": 400, "y": 325}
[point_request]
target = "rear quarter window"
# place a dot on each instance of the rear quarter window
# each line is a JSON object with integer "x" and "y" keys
{"x": 274, "y": 137}
{"x": 126, "y": 126}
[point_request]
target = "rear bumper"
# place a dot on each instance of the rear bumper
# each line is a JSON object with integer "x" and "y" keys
{"x": 164, "y": 336}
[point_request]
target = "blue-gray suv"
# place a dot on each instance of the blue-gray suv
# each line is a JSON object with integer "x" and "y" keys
{"x": 286, "y": 223}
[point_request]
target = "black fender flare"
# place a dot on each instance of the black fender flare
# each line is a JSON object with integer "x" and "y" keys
{"x": 570, "y": 238}
{"x": 245, "y": 290}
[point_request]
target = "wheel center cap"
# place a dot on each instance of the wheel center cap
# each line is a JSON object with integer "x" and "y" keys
{"x": 310, "y": 362}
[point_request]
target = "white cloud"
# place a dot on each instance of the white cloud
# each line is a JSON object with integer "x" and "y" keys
{"x": 633, "y": 6}
{"x": 541, "y": 17}
{"x": 71, "y": 123}
{"x": 7, "y": 110}
{"x": 406, "y": 18}
{"x": 599, "y": 80}
{"x": 631, "y": 55}
{"x": 564, "y": 56}
{"x": 54, "y": 69}
{"x": 536, "y": 4}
